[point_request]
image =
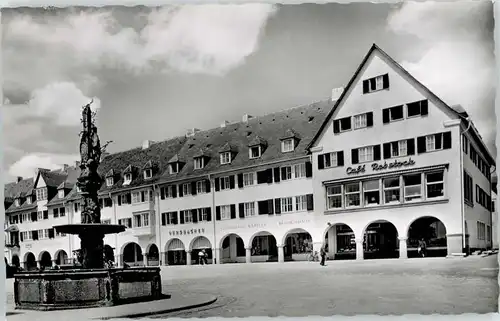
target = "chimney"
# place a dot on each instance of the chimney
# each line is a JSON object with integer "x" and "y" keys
{"x": 146, "y": 144}
{"x": 19, "y": 178}
{"x": 224, "y": 124}
{"x": 192, "y": 132}
{"x": 246, "y": 118}
{"x": 104, "y": 155}
{"x": 336, "y": 92}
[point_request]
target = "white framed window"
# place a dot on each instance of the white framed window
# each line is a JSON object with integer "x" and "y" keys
{"x": 301, "y": 203}
{"x": 78, "y": 189}
{"x": 142, "y": 197}
{"x": 199, "y": 162}
{"x": 352, "y": 195}
{"x": 412, "y": 187}
{"x": 127, "y": 222}
{"x": 299, "y": 170}
{"x": 40, "y": 215}
{"x": 379, "y": 83}
{"x": 249, "y": 209}
{"x": 434, "y": 184}
{"x": 127, "y": 179}
{"x": 396, "y": 113}
{"x": 109, "y": 181}
{"x": 225, "y": 212}
{"x": 148, "y": 173}
{"x": 28, "y": 200}
{"x": 360, "y": 121}
{"x": 399, "y": 148}
{"x": 186, "y": 189}
{"x": 203, "y": 214}
{"x": 60, "y": 193}
{"x": 345, "y": 124}
{"x": 287, "y": 145}
{"x": 392, "y": 190}
{"x": 173, "y": 168}
{"x": 141, "y": 220}
{"x": 136, "y": 197}
{"x": 430, "y": 143}
{"x": 334, "y": 196}
{"x": 188, "y": 216}
{"x": 286, "y": 173}
{"x": 248, "y": 179}
{"x": 481, "y": 230}
{"x": 330, "y": 159}
{"x": 371, "y": 192}
{"x": 225, "y": 158}
{"x": 17, "y": 202}
{"x": 41, "y": 194}
{"x": 365, "y": 154}
{"x": 286, "y": 204}
{"x": 200, "y": 187}
{"x": 255, "y": 152}
{"x": 224, "y": 183}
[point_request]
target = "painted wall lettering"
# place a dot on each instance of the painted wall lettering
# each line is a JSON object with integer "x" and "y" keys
{"x": 358, "y": 170}
{"x": 391, "y": 165}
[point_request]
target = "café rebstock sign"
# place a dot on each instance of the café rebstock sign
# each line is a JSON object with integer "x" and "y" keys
{"x": 380, "y": 166}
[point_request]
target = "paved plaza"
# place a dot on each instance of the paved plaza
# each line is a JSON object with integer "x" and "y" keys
{"x": 425, "y": 286}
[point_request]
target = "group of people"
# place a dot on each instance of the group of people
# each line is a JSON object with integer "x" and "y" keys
{"x": 202, "y": 257}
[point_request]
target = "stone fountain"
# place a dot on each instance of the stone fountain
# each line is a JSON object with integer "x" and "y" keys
{"x": 90, "y": 284}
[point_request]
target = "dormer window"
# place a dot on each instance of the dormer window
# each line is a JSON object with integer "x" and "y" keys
{"x": 61, "y": 193}
{"x": 255, "y": 152}
{"x": 287, "y": 145}
{"x": 127, "y": 178}
{"x": 174, "y": 168}
{"x": 17, "y": 202}
{"x": 78, "y": 189}
{"x": 109, "y": 181}
{"x": 225, "y": 158}
{"x": 174, "y": 164}
{"x": 199, "y": 162}
{"x": 28, "y": 200}
{"x": 148, "y": 173}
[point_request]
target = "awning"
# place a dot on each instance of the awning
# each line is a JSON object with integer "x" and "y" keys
{"x": 175, "y": 245}
{"x": 201, "y": 243}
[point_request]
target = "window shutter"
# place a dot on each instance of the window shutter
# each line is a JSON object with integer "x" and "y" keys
{"x": 410, "y": 145}
{"x": 277, "y": 205}
{"x": 354, "y": 156}
{"x": 162, "y": 193}
{"x": 262, "y": 205}
{"x": 119, "y": 200}
{"x": 366, "y": 86}
{"x": 439, "y": 140}
{"x": 207, "y": 185}
{"x": 233, "y": 211}
{"x": 261, "y": 177}
{"x": 336, "y": 126}
{"x": 310, "y": 202}
{"x": 181, "y": 190}
{"x": 194, "y": 214}
{"x": 217, "y": 184}
{"x": 270, "y": 207}
{"x": 387, "y": 150}
{"x": 181, "y": 217}
{"x": 276, "y": 174}
{"x": 340, "y": 158}
{"x": 385, "y": 116}
{"x": 369, "y": 119}
{"x": 193, "y": 188}
{"x": 46, "y": 213}
{"x": 269, "y": 175}
{"x": 309, "y": 169}
{"x": 321, "y": 161}
{"x": 424, "y": 107}
{"x": 129, "y": 198}
{"x": 21, "y": 236}
{"x": 385, "y": 81}
{"x": 209, "y": 214}
{"x": 217, "y": 213}
{"x": 447, "y": 140}
{"x": 240, "y": 180}
{"x": 164, "y": 219}
{"x": 376, "y": 152}
{"x": 174, "y": 191}
{"x": 421, "y": 144}
{"x": 231, "y": 181}
{"x": 241, "y": 208}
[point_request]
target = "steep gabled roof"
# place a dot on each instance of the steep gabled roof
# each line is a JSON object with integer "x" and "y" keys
{"x": 226, "y": 148}
{"x": 403, "y": 71}
{"x": 71, "y": 175}
{"x": 256, "y": 141}
{"x": 289, "y": 133}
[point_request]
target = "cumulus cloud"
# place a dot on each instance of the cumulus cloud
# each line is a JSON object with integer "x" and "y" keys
{"x": 458, "y": 62}
{"x": 25, "y": 167}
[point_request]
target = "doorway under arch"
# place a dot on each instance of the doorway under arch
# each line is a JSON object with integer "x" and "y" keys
{"x": 433, "y": 232}
{"x": 132, "y": 254}
{"x": 298, "y": 245}
{"x": 380, "y": 241}
{"x": 232, "y": 249}
{"x": 175, "y": 252}
{"x": 153, "y": 255}
{"x": 340, "y": 242}
{"x": 29, "y": 261}
{"x": 264, "y": 248}
{"x": 15, "y": 261}
{"x": 45, "y": 260}
{"x": 61, "y": 257}
{"x": 199, "y": 244}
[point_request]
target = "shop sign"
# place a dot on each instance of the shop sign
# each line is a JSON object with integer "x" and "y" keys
{"x": 293, "y": 222}
{"x": 380, "y": 166}
{"x": 187, "y": 232}
{"x": 242, "y": 226}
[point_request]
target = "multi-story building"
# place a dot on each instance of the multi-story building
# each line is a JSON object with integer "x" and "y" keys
{"x": 367, "y": 173}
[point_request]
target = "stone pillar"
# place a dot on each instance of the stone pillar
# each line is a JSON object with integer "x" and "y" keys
{"x": 332, "y": 242}
{"x": 188, "y": 257}
{"x": 403, "y": 249}
{"x": 232, "y": 247}
{"x": 248, "y": 255}
{"x": 359, "y": 249}
{"x": 454, "y": 243}
{"x": 281, "y": 254}
{"x": 216, "y": 255}
{"x": 145, "y": 260}
{"x": 163, "y": 258}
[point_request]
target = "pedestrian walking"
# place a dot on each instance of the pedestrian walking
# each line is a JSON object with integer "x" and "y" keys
{"x": 323, "y": 256}
{"x": 201, "y": 259}
{"x": 422, "y": 248}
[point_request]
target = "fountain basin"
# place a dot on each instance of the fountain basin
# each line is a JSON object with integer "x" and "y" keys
{"x": 90, "y": 229}
{"x": 85, "y": 288}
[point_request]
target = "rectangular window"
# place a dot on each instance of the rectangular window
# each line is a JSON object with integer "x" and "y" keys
{"x": 395, "y": 113}
{"x": 465, "y": 144}
{"x": 468, "y": 188}
{"x": 286, "y": 173}
{"x": 286, "y": 204}
{"x": 434, "y": 184}
{"x": 62, "y": 211}
{"x": 329, "y": 160}
{"x": 345, "y": 124}
{"x": 299, "y": 170}
{"x": 376, "y": 84}
{"x": 188, "y": 216}
{"x": 481, "y": 230}
{"x": 199, "y": 162}
{"x": 224, "y": 183}
{"x": 371, "y": 192}
{"x": 352, "y": 195}
{"x": 225, "y": 158}
{"x": 127, "y": 179}
{"x": 55, "y": 212}
{"x": 171, "y": 190}
{"x": 418, "y": 108}
{"x": 41, "y": 194}
{"x": 109, "y": 181}
{"x": 127, "y": 222}
{"x": 203, "y": 214}
{"x": 334, "y": 196}
{"x": 141, "y": 220}
{"x": 287, "y": 145}
{"x": 412, "y": 187}
{"x": 365, "y": 154}
{"x": 430, "y": 143}
{"x": 248, "y": 179}
{"x": 301, "y": 203}
{"x": 392, "y": 190}
{"x": 200, "y": 187}
{"x": 174, "y": 168}
{"x": 186, "y": 189}
{"x": 360, "y": 121}
{"x": 249, "y": 209}
{"x": 399, "y": 148}
{"x": 255, "y": 152}
{"x": 136, "y": 197}
{"x": 225, "y": 212}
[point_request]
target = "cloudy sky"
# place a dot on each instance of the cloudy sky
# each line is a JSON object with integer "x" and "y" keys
{"x": 154, "y": 73}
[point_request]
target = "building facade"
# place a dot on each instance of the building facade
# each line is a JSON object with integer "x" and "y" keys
{"x": 368, "y": 173}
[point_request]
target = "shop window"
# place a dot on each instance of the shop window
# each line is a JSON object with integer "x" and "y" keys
{"x": 434, "y": 184}
{"x": 412, "y": 187}
{"x": 371, "y": 192}
{"x": 392, "y": 190}
{"x": 334, "y": 196}
{"x": 352, "y": 195}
